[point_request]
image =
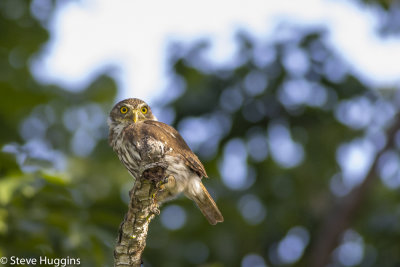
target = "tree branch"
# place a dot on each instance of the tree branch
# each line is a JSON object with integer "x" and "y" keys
{"x": 337, "y": 221}
{"x": 142, "y": 209}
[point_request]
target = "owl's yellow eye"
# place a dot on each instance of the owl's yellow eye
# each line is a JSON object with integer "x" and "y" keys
{"x": 144, "y": 110}
{"x": 124, "y": 110}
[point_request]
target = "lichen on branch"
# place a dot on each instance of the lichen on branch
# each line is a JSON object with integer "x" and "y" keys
{"x": 141, "y": 210}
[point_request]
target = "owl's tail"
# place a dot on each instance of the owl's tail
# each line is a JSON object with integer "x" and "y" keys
{"x": 207, "y": 205}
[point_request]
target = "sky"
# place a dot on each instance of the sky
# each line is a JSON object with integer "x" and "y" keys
{"x": 87, "y": 36}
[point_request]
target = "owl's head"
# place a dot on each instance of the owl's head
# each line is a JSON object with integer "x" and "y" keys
{"x": 128, "y": 111}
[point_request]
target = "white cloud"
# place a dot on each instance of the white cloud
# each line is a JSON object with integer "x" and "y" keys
{"x": 87, "y": 35}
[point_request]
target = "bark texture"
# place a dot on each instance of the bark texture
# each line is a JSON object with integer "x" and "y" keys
{"x": 142, "y": 209}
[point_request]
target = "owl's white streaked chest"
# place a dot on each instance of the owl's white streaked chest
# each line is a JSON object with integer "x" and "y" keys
{"x": 126, "y": 152}
{"x": 137, "y": 153}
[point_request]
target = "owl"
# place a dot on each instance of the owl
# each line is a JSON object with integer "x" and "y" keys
{"x": 139, "y": 139}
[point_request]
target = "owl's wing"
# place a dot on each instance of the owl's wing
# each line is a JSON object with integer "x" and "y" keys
{"x": 163, "y": 132}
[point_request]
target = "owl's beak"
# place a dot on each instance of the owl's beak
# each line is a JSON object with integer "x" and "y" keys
{"x": 135, "y": 116}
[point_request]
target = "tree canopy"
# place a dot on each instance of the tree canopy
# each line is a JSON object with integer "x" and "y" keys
{"x": 285, "y": 132}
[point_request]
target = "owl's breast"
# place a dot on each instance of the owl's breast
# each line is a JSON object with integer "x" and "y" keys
{"x": 150, "y": 144}
{"x": 143, "y": 143}
{"x": 151, "y": 148}
{"x": 129, "y": 156}
{"x": 136, "y": 149}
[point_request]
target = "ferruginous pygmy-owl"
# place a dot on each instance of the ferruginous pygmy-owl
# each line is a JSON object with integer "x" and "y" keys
{"x": 138, "y": 138}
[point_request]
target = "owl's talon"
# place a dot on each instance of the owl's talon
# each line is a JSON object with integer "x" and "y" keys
{"x": 162, "y": 184}
{"x": 164, "y": 181}
{"x": 155, "y": 211}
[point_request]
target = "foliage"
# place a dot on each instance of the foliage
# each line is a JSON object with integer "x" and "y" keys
{"x": 278, "y": 117}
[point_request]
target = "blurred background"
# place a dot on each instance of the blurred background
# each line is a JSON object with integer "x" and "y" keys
{"x": 291, "y": 106}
